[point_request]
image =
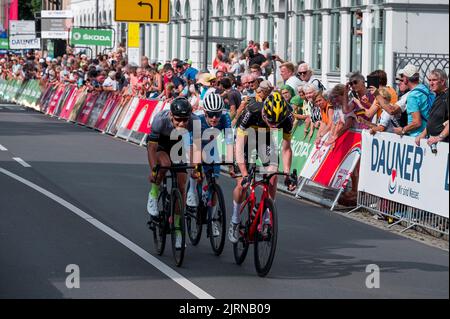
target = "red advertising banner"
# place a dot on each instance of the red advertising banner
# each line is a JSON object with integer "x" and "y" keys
{"x": 331, "y": 166}
{"x": 55, "y": 100}
{"x": 139, "y": 122}
{"x": 108, "y": 111}
{"x": 87, "y": 108}
{"x": 71, "y": 101}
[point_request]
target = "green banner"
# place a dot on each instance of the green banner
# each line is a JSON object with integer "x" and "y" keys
{"x": 302, "y": 146}
{"x": 102, "y": 38}
{"x": 4, "y": 44}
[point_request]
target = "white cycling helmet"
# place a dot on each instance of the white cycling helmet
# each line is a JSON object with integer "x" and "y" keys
{"x": 213, "y": 103}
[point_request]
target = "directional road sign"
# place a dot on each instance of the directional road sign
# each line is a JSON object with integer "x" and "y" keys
{"x": 143, "y": 11}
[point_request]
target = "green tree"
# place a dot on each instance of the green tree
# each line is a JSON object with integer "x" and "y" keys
{"x": 27, "y": 9}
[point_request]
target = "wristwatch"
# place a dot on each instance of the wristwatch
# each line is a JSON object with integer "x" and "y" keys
{"x": 442, "y": 137}
{"x": 403, "y": 131}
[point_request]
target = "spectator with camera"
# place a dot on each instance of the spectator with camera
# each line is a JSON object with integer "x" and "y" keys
{"x": 437, "y": 125}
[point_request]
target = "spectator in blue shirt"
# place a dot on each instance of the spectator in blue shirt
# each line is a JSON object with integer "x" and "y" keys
{"x": 190, "y": 73}
{"x": 419, "y": 102}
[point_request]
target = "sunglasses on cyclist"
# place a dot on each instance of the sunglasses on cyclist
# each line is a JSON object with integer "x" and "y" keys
{"x": 181, "y": 119}
{"x": 214, "y": 114}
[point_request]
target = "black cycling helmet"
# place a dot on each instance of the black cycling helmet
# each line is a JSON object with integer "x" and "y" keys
{"x": 181, "y": 107}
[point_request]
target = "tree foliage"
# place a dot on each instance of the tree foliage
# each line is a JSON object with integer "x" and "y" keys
{"x": 27, "y": 8}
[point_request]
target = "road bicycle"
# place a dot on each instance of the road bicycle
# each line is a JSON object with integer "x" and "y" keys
{"x": 171, "y": 219}
{"x": 211, "y": 212}
{"x": 259, "y": 225}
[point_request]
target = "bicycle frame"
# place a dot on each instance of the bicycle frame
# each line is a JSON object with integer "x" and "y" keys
{"x": 264, "y": 183}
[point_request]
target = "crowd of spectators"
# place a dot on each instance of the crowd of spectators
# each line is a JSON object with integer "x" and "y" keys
{"x": 416, "y": 109}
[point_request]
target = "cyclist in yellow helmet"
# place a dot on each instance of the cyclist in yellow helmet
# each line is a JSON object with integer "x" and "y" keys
{"x": 266, "y": 117}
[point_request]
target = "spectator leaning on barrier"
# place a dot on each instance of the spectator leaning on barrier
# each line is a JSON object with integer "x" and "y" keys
{"x": 357, "y": 100}
{"x": 437, "y": 129}
{"x": 418, "y": 103}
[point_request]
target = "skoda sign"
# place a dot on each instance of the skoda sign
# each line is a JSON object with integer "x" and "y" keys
{"x": 92, "y": 37}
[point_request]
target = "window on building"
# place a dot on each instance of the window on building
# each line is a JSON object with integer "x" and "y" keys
{"x": 187, "y": 15}
{"x": 257, "y": 23}
{"x": 232, "y": 14}
{"x": 335, "y": 37}
{"x": 378, "y": 37}
{"x": 220, "y": 15}
{"x": 300, "y": 27}
{"x": 243, "y": 22}
{"x": 270, "y": 23}
{"x": 316, "y": 62}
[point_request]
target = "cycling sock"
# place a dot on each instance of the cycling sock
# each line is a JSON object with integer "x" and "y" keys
{"x": 236, "y": 210}
{"x": 177, "y": 225}
{"x": 154, "y": 192}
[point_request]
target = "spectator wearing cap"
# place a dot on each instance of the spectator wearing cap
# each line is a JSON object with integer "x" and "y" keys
{"x": 204, "y": 81}
{"x": 190, "y": 73}
{"x": 438, "y": 122}
{"x": 418, "y": 103}
{"x": 287, "y": 72}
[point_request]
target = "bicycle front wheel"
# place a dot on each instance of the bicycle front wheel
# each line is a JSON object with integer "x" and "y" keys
{"x": 218, "y": 221}
{"x": 160, "y": 228}
{"x": 266, "y": 239}
{"x": 177, "y": 227}
{"x": 240, "y": 249}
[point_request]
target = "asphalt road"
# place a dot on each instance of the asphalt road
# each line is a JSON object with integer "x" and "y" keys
{"x": 82, "y": 202}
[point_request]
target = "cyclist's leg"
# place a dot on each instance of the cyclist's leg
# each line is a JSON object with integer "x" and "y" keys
{"x": 152, "y": 204}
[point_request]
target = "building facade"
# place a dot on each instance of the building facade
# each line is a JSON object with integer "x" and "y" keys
{"x": 334, "y": 36}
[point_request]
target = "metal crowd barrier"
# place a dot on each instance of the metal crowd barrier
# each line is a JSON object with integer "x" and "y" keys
{"x": 407, "y": 216}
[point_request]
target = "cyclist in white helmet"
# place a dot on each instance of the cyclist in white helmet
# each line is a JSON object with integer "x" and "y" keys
{"x": 215, "y": 122}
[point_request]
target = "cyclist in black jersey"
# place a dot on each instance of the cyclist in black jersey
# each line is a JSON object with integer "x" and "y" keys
{"x": 272, "y": 114}
{"x": 160, "y": 144}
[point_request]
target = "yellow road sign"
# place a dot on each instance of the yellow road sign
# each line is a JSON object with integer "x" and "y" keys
{"x": 144, "y": 11}
{"x": 133, "y": 35}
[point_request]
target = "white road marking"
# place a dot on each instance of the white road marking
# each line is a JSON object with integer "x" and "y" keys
{"x": 169, "y": 272}
{"x": 21, "y": 162}
{"x": 2, "y": 148}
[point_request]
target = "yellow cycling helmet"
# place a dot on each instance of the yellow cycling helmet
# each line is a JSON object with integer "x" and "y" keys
{"x": 276, "y": 109}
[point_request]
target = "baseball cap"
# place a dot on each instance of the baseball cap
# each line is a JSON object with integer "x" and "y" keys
{"x": 409, "y": 71}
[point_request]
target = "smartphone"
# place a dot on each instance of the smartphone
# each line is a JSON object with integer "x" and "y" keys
{"x": 373, "y": 81}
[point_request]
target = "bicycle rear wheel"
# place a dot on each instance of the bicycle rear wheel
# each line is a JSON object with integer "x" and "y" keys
{"x": 240, "y": 249}
{"x": 194, "y": 222}
{"x": 160, "y": 230}
{"x": 266, "y": 239}
{"x": 218, "y": 221}
{"x": 177, "y": 227}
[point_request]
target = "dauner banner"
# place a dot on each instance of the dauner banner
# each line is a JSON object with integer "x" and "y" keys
{"x": 395, "y": 168}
